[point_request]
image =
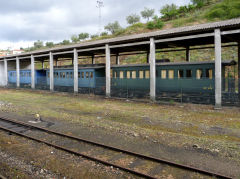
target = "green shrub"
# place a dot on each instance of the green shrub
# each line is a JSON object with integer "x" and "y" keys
{"x": 156, "y": 24}
{"x": 138, "y": 25}
{"x": 150, "y": 25}
{"x": 227, "y": 9}
{"x": 159, "y": 24}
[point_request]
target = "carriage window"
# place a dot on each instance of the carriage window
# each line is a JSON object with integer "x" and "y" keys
{"x": 91, "y": 74}
{"x": 189, "y": 73}
{"x": 67, "y": 75}
{"x": 115, "y": 74}
{"x": 209, "y": 73}
{"x": 163, "y": 74}
{"x": 111, "y": 73}
{"x": 128, "y": 74}
{"x": 48, "y": 74}
{"x": 141, "y": 74}
{"x": 180, "y": 73}
{"x": 82, "y": 75}
{"x": 29, "y": 74}
{"x": 134, "y": 74}
{"x": 86, "y": 74}
{"x": 147, "y": 74}
{"x": 199, "y": 73}
{"x": 71, "y": 74}
{"x": 170, "y": 74}
{"x": 57, "y": 74}
{"x": 79, "y": 75}
{"x": 121, "y": 74}
{"x": 63, "y": 74}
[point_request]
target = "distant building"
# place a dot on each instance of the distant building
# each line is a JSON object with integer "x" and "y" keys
{"x": 10, "y": 52}
{"x": 17, "y": 51}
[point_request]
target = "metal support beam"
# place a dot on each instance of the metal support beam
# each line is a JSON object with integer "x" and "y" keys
{"x": 117, "y": 59}
{"x": 148, "y": 57}
{"x": 107, "y": 70}
{"x": 75, "y": 66}
{"x": 187, "y": 54}
{"x": 6, "y": 72}
{"x": 152, "y": 58}
{"x": 32, "y": 72}
{"x": 51, "y": 72}
{"x": 93, "y": 59}
{"x": 18, "y": 72}
{"x": 239, "y": 70}
{"x": 218, "y": 69}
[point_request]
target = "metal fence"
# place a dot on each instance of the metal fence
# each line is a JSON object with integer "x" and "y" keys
{"x": 230, "y": 92}
{"x": 184, "y": 90}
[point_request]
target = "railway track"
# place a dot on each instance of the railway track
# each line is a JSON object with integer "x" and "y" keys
{"x": 57, "y": 140}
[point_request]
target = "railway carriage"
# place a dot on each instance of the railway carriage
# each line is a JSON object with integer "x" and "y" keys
{"x": 184, "y": 77}
{"x": 25, "y": 77}
{"x": 88, "y": 77}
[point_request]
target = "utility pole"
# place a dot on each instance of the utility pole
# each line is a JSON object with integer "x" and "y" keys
{"x": 99, "y": 6}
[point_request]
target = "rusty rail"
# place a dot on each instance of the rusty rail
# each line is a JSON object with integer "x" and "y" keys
{"x": 174, "y": 164}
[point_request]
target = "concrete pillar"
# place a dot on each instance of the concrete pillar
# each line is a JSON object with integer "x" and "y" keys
{"x": 5, "y": 72}
{"x": 93, "y": 60}
{"x": 75, "y": 63}
{"x": 239, "y": 70}
{"x": 18, "y": 72}
{"x": 218, "y": 69}
{"x": 187, "y": 54}
{"x": 117, "y": 59}
{"x": 152, "y": 70}
{"x": 107, "y": 71}
{"x": 32, "y": 72}
{"x": 51, "y": 80}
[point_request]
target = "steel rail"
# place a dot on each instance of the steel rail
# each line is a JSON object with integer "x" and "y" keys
{"x": 177, "y": 165}
{"x": 79, "y": 154}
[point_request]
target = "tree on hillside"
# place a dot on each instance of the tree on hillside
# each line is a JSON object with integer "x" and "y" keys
{"x": 133, "y": 18}
{"x": 65, "y": 42}
{"x": 169, "y": 11}
{"x": 104, "y": 34}
{"x": 147, "y": 13}
{"x": 94, "y": 36}
{"x": 83, "y": 36}
{"x": 74, "y": 38}
{"x": 38, "y": 44}
{"x": 49, "y": 44}
{"x": 113, "y": 27}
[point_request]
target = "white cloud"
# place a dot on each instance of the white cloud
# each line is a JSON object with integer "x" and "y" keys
{"x": 25, "y": 21}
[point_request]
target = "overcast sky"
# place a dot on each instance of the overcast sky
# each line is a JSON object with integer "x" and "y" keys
{"x": 25, "y": 21}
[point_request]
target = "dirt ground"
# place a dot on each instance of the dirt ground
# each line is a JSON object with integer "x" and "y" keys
{"x": 190, "y": 134}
